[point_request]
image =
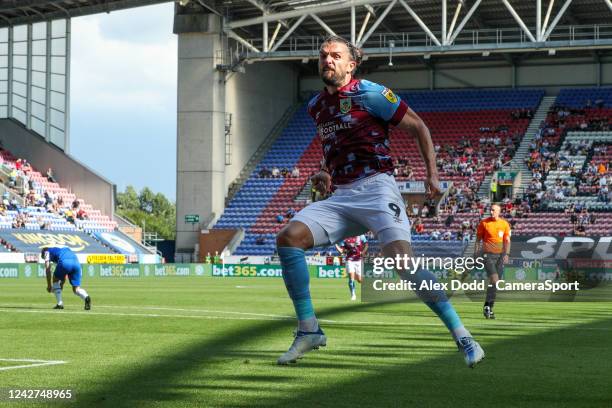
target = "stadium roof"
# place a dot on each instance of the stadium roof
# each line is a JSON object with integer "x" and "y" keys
{"x": 15, "y": 12}
{"x": 490, "y": 13}
{"x": 292, "y": 29}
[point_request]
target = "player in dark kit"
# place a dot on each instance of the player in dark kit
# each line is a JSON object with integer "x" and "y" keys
{"x": 352, "y": 118}
{"x": 66, "y": 265}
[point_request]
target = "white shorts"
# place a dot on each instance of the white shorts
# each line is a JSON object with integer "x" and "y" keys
{"x": 374, "y": 203}
{"x": 353, "y": 267}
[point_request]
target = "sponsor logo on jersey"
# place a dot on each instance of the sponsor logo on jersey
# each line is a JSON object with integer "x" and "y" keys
{"x": 328, "y": 129}
{"x": 389, "y": 95}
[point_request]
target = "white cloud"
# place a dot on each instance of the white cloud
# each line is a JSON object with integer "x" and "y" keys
{"x": 154, "y": 24}
{"x": 119, "y": 73}
{"x": 123, "y": 96}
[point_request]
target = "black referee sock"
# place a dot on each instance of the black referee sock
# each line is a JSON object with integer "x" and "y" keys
{"x": 491, "y": 294}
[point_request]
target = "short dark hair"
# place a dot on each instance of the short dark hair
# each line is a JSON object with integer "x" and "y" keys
{"x": 42, "y": 252}
{"x": 355, "y": 52}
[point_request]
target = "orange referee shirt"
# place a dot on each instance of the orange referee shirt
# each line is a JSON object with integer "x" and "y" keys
{"x": 493, "y": 234}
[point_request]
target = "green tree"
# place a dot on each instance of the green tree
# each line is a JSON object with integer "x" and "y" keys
{"x": 150, "y": 209}
{"x": 127, "y": 200}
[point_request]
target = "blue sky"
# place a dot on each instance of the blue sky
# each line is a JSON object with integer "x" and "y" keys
{"x": 123, "y": 97}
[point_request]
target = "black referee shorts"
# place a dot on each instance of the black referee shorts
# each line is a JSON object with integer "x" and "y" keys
{"x": 494, "y": 263}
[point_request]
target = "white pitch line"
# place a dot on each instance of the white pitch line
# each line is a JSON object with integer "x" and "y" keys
{"x": 280, "y": 317}
{"x": 135, "y": 314}
{"x": 36, "y": 363}
{"x": 171, "y": 309}
{"x": 200, "y": 311}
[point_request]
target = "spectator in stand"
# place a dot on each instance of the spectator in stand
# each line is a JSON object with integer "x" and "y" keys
{"x": 13, "y": 173}
{"x": 69, "y": 215}
{"x": 81, "y": 214}
{"x": 419, "y": 227}
{"x": 55, "y": 207}
{"x": 290, "y": 213}
{"x": 48, "y": 198}
{"x": 19, "y": 221}
{"x": 261, "y": 240}
{"x": 43, "y": 225}
{"x": 601, "y": 168}
{"x": 30, "y": 199}
{"x": 449, "y": 220}
{"x": 25, "y": 166}
{"x": 295, "y": 173}
{"x": 265, "y": 173}
{"x": 13, "y": 205}
{"x": 408, "y": 172}
{"x": 280, "y": 219}
{"x": 275, "y": 172}
{"x": 603, "y": 194}
{"x": 50, "y": 177}
{"x": 580, "y": 231}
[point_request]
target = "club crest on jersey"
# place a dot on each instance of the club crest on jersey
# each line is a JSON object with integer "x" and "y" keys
{"x": 389, "y": 95}
{"x": 345, "y": 105}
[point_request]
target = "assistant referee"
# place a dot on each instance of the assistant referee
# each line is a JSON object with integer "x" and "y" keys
{"x": 493, "y": 244}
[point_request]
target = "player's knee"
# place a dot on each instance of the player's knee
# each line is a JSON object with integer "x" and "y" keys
{"x": 295, "y": 235}
{"x": 397, "y": 247}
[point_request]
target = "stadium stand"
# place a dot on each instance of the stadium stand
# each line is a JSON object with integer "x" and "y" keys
{"x": 474, "y": 130}
{"x": 571, "y": 166}
{"x": 42, "y": 194}
{"x": 34, "y": 202}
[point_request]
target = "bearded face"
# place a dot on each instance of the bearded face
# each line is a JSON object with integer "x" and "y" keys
{"x": 335, "y": 64}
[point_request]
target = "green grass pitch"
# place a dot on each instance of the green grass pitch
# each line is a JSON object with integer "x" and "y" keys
{"x": 213, "y": 342}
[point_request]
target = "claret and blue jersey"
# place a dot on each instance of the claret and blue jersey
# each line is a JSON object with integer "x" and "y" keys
{"x": 353, "y": 126}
